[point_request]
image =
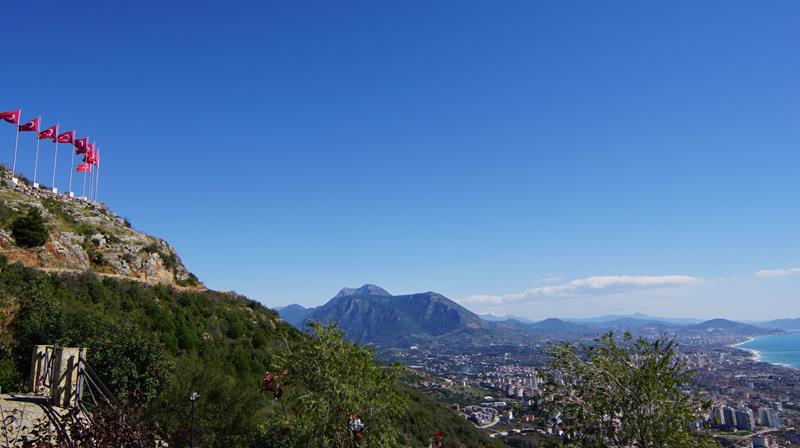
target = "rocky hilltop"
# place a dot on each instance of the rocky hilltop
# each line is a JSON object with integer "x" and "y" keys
{"x": 85, "y": 236}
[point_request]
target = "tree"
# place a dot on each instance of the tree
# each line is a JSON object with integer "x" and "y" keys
{"x": 622, "y": 394}
{"x": 30, "y": 230}
{"x": 328, "y": 388}
{"x": 128, "y": 362}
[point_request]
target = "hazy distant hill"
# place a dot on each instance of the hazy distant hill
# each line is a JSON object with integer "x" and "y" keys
{"x": 637, "y": 319}
{"x": 555, "y": 324}
{"x": 609, "y": 320}
{"x": 782, "y": 324}
{"x": 294, "y": 314}
{"x": 725, "y": 326}
{"x": 495, "y": 318}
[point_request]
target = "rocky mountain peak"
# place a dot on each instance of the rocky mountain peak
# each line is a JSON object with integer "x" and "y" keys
{"x": 365, "y": 290}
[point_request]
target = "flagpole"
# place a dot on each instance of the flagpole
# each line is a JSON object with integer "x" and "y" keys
{"x": 91, "y": 181}
{"x": 72, "y": 161}
{"x": 86, "y": 148}
{"x": 16, "y": 144}
{"x": 97, "y": 180}
{"x": 55, "y": 158}
{"x": 36, "y": 163}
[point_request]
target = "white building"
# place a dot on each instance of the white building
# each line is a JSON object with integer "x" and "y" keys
{"x": 769, "y": 417}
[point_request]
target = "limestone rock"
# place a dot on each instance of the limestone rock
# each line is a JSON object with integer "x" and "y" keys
{"x": 87, "y": 236}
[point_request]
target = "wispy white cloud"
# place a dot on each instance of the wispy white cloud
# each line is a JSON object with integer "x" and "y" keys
{"x": 549, "y": 278}
{"x": 777, "y": 272}
{"x": 590, "y": 286}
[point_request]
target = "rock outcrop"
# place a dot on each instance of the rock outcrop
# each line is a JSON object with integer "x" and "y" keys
{"x": 86, "y": 236}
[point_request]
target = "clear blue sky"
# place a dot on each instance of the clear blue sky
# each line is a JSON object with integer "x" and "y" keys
{"x": 478, "y": 149}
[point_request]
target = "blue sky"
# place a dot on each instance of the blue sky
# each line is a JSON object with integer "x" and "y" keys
{"x": 524, "y": 157}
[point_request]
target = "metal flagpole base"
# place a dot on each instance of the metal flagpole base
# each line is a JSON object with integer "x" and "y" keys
{"x": 35, "y": 185}
{"x": 14, "y": 181}
{"x": 55, "y": 190}
{"x": 71, "y": 194}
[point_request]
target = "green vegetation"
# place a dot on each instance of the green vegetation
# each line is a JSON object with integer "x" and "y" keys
{"x": 624, "y": 393}
{"x": 7, "y": 215}
{"x": 159, "y": 343}
{"x": 29, "y": 230}
{"x": 331, "y": 383}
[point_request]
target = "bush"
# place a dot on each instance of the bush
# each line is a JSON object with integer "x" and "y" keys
{"x": 329, "y": 382}
{"x": 7, "y": 215}
{"x": 10, "y": 377}
{"x": 30, "y": 230}
{"x": 623, "y": 393}
{"x": 128, "y": 362}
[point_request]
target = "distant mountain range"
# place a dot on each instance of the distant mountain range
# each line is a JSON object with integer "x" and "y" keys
{"x": 782, "y": 324}
{"x": 370, "y": 314}
{"x": 635, "y": 319}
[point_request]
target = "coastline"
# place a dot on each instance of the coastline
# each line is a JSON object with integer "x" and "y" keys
{"x": 756, "y": 355}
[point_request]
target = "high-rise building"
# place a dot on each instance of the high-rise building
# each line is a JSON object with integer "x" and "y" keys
{"x": 745, "y": 420}
{"x": 729, "y": 416}
{"x": 769, "y": 417}
{"x": 759, "y": 442}
{"x": 717, "y": 417}
{"x": 519, "y": 392}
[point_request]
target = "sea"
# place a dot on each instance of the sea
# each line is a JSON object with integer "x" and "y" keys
{"x": 782, "y": 349}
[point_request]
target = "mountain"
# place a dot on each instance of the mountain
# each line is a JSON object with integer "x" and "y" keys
{"x": 725, "y": 326}
{"x": 782, "y": 324}
{"x": 557, "y": 325}
{"x": 637, "y": 319}
{"x": 370, "y": 314}
{"x": 366, "y": 290}
{"x": 495, "y": 318}
{"x": 294, "y": 314}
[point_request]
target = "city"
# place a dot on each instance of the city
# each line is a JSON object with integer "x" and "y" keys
{"x": 753, "y": 403}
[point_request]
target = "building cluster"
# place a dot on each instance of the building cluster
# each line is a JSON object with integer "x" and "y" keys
{"x": 481, "y": 415}
{"x": 754, "y": 403}
{"x": 744, "y": 419}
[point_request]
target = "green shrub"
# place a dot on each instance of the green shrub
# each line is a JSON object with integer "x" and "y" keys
{"x": 128, "y": 361}
{"x": 639, "y": 380}
{"x": 10, "y": 377}
{"x": 7, "y": 215}
{"x": 328, "y": 380}
{"x": 30, "y": 230}
{"x": 56, "y": 208}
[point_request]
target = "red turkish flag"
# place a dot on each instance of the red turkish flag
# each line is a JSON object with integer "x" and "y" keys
{"x": 84, "y": 167}
{"x": 49, "y": 133}
{"x": 66, "y": 137}
{"x": 32, "y": 125}
{"x": 90, "y": 157}
{"x": 80, "y": 145}
{"x": 11, "y": 116}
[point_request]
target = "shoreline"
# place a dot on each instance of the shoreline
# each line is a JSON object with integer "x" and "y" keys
{"x": 756, "y": 355}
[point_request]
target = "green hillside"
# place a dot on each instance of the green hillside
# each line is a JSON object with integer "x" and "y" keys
{"x": 164, "y": 342}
